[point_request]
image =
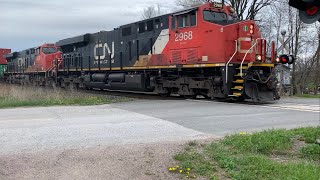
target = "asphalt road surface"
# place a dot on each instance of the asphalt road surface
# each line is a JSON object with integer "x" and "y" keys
{"x": 222, "y": 118}
{"x": 132, "y": 140}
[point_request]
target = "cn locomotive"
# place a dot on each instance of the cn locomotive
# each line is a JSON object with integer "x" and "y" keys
{"x": 203, "y": 50}
{"x": 3, "y": 62}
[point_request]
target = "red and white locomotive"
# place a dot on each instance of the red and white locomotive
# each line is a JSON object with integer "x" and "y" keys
{"x": 203, "y": 50}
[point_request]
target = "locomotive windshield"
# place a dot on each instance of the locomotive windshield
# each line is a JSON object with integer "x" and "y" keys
{"x": 218, "y": 17}
{"x": 49, "y": 50}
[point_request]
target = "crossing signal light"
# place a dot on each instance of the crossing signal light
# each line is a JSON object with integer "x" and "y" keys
{"x": 309, "y": 10}
{"x": 286, "y": 59}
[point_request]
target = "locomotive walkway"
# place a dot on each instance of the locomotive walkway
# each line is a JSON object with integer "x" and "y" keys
{"x": 132, "y": 140}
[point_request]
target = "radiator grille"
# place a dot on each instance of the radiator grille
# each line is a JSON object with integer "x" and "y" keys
{"x": 192, "y": 55}
{"x": 176, "y": 57}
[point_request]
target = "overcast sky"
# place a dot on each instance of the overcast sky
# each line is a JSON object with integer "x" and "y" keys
{"x": 29, "y": 23}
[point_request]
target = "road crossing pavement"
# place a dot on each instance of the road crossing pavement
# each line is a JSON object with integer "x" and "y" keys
{"x": 222, "y": 118}
{"x": 276, "y": 105}
{"x": 296, "y": 107}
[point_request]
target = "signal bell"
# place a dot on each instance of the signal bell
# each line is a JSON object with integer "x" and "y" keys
{"x": 286, "y": 59}
{"x": 309, "y": 10}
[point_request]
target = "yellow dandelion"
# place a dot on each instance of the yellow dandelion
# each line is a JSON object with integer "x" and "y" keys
{"x": 189, "y": 169}
{"x": 181, "y": 171}
{"x": 177, "y": 166}
{"x": 243, "y": 133}
{"x": 188, "y": 172}
{"x": 173, "y": 169}
{"x": 170, "y": 169}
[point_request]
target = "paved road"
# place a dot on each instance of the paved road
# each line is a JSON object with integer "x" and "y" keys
{"x": 37, "y": 129}
{"x": 132, "y": 140}
{"x": 145, "y": 121}
{"x": 221, "y": 118}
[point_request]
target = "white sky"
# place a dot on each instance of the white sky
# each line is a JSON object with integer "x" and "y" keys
{"x": 29, "y": 23}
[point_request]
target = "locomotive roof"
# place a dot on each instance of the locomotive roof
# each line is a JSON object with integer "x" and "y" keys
{"x": 85, "y": 37}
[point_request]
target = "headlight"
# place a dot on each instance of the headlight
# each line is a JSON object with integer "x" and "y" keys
{"x": 258, "y": 57}
{"x": 277, "y": 60}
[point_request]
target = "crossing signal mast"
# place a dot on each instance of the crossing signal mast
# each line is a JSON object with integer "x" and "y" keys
{"x": 285, "y": 58}
{"x": 309, "y": 10}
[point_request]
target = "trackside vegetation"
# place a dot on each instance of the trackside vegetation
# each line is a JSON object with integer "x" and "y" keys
{"x": 22, "y": 96}
{"x": 272, "y": 154}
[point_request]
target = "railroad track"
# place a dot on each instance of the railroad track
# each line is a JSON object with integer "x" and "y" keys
{"x": 142, "y": 95}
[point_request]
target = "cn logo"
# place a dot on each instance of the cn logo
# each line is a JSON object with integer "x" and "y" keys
{"x": 105, "y": 51}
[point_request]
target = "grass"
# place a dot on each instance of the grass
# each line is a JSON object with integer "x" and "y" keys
{"x": 272, "y": 154}
{"x": 22, "y": 96}
{"x": 309, "y": 96}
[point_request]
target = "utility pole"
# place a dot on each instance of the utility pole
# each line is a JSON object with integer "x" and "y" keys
{"x": 283, "y": 33}
{"x": 317, "y": 66}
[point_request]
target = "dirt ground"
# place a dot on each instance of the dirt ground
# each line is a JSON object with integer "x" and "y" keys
{"x": 134, "y": 162}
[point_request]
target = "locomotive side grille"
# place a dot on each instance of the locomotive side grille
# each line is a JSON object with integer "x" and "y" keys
{"x": 192, "y": 55}
{"x": 176, "y": 57}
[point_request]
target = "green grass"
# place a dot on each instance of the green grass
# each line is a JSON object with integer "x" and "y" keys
{"x": 273, "y": 154}
{"x": 311, "y": 151}
{"x": 308, "y": 96}
{"x": 16, "y": 96}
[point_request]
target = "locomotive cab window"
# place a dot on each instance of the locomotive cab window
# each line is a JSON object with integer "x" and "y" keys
{"x": 173, "y": 22}
{"x": 37, "y": 51}
{"x": 193, "y": 18}
{"x": 49, "y": 50}
{"x": 220, "y": 18}
{"x": 183, "y": 21}
{"x": 187, "y": 20}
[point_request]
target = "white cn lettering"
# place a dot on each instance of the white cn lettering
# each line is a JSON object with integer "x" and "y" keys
{"x": 105, "y": 51}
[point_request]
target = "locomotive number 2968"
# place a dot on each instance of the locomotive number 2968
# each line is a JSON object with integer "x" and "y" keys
{"x": 184, "y": 36}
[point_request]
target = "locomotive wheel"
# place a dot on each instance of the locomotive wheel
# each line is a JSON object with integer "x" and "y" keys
{"x": 165, "y": 94}
{"x": 190, "y": 96}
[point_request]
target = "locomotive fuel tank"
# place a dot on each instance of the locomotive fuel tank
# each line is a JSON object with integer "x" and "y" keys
{"x": 117, "y": 77}
{"x": 99, "y": 77}
{"x": 117, "y": 81}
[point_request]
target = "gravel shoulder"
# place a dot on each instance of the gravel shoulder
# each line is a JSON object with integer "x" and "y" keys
{"x": 134, "y": 162}
{"x": 88, "y": 142}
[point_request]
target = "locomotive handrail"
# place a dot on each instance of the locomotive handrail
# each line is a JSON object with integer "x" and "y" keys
{"x": 54, "y": 65}
{"x": 227, "y": 65}
{"x": 241, "y": 70}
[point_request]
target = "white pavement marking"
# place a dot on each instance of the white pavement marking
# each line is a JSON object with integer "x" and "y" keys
{"x": 296, "y": 107}
{"x": 287, "y": 106}
{"x": 78, "y": 127}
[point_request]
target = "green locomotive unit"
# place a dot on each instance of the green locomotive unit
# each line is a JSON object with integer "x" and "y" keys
{"x": 2, "y": 69}
{"x": 3, "y": 61}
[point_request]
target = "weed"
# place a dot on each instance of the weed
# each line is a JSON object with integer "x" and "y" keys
{"x": 18, "y": 96}
{"x": 244, "y": 156}
{"x": 311, "y": 151}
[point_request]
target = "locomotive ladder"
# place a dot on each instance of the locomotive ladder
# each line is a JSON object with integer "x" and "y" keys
{"x": 238, "y": 83}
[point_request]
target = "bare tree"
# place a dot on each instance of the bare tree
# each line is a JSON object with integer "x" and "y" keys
{"x": 151, "y": 11}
